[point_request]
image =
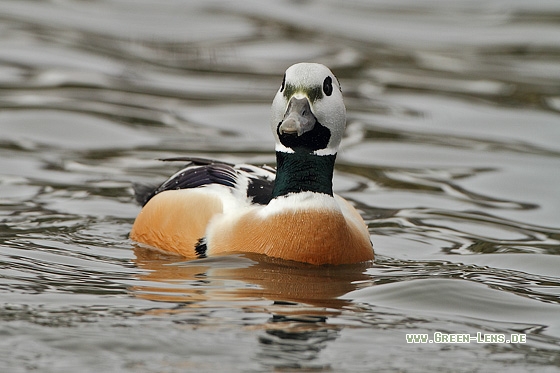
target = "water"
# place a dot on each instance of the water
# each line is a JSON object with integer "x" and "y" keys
{"x": 452, "y": 154}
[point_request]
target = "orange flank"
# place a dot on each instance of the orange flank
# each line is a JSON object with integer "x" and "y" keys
{"x": 315, "y": 237}
{"x": 174, "y": 220}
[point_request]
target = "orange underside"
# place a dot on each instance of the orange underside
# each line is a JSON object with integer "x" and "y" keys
{"x": 316, "y": 237}
{"x": 174, "y": 221}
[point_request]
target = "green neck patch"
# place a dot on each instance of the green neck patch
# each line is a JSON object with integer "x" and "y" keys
{"x": 303, "y": 172}
{"x": 312, "y": 93}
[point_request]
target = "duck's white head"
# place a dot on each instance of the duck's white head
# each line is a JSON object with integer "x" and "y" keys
{"x": 308, "y": 113}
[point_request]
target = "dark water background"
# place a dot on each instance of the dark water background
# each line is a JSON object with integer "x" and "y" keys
{"x": 452, "y": 154}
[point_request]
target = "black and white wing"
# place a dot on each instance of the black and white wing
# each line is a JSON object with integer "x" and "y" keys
{"x": 256, "y": 182}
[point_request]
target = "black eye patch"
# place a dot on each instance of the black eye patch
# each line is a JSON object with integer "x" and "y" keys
{"x": 327, "y": 86}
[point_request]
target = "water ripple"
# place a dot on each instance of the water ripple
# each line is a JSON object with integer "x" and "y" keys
{"x": 451, "y": 155}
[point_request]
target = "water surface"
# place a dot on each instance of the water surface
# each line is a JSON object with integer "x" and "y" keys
{"x": 451, "y": 154}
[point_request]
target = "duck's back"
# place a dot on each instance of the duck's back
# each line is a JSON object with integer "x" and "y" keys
{"x": 175, "y": 215}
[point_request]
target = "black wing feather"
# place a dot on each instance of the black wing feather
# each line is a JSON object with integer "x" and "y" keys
{"x": 194, "y": 176}
{"x": 200, "y": 172}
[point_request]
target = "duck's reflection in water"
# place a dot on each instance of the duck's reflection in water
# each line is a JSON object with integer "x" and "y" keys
{"x": 299, "y": 297}
{"x": 247, "y": 276}
{"x": 295, "y": 343}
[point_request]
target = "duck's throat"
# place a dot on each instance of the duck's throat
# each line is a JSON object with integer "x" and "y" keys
{"x": 303, "y": 172}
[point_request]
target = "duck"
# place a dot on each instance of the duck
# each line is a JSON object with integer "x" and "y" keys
{"x": 212, "y": 208}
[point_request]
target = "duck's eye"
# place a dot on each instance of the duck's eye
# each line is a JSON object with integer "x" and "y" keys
{"x": 283, "y": 83}
{"x": 327, "y": 86}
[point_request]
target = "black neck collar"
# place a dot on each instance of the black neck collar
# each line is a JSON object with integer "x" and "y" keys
{"x": 302, "y": 171}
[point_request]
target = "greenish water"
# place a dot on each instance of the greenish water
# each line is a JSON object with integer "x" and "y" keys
{"x": 452, "y": 153}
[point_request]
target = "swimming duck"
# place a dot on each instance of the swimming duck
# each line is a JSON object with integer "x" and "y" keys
{"x": 215, "y": 208}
